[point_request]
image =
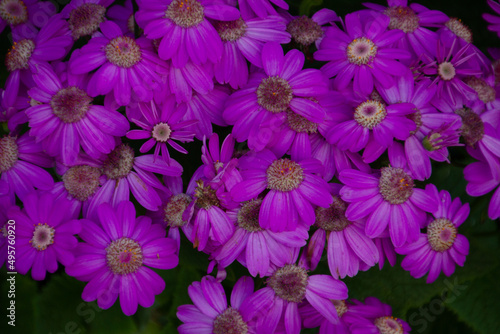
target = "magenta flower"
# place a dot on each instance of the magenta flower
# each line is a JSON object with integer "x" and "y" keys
{"x": 20, "y": 162}
{"x": 65, "y": 118}
{"x": 25, "y": 17}
{"x": 306, "y": 31}
{"x": 480, "y": 181}
{"x": 293, "y": 188}
{"x": 493, "y": 20}
{"x": 161, "y": 128}
{"x": 184, "y": 28}
{"x": 44, "y": 234}
{"x": 441, "y": 247}
{"x": 261, "y": 8}
{"x": 85, "y": 16}
{"x": 312, "y": 318}
{"x": 115, "y": 256}
{"x": 363, "y": 53}
{"x": 124, "y": 66}
{"x": 123, "y": 16}
{"x": 260, "y": 107}
{"x": 211, "y": 314}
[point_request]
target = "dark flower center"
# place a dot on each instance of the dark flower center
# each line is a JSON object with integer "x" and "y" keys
{"x": 85, "y": 19}
{"x": 119, "y": 162}
{"x": 299, "y": 123}
{"x": 459, "y": 29}
{"x": 9, "y": 153}
{"x": 370, "y": 113}
{"x": 124, "y": 256}
{"x": 472, "y": 126}
{"x": 289, "y": 283}
{"x": 274, "y": 94}
{"x": 43, "y": 236}
{"x": 388, "y": 325}
{"x": 332, "y": 218}
{"x": 185, "y": 13}
{"x": 230, "y": 322}
{"x": 13, "y": 11}
{"x": 205, "y": 195}
{"x": 70, "y": 104}
{"x": 123, "y": 51}
{"x": 175, "y": 209}
{"x": 231, "y": 30}
{"x": 402, "y": 18}
{"x": 441, "y": 234}
{"x": 284, "y": 175}
{"x": 485, "y": 92}
{"x": 395, "y": 185}
{"x": 19, "y": 55}
{"x": 416, "y": 117}
{"x": 340, "y": 307}
{"x": 361, "y": 51}
{"x": 248, "y": 215}
{"x": 81, "y": 182}
{"x": 304, "y": 30}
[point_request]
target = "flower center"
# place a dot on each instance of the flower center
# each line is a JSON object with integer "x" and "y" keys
{"x": 332, "y": 218}
{"x": 361, "y": 51}
{"x": 284, "y": 175}
{"x": 206, "y": 196}
{"x": 370, "y": 113}
{"x": 119, "y": 162}
{"x": 43, "y": 236}
{"x": 231, "y": 30}
{"x": 13, "y": 11}
{"x": 85, "y": 19}
{"x": 340, "y": 307}
{"x": 485, "y": 92}
{"x": 472, "y": 126}
{"x": 389, "y": 325}
{"x": 248, "y": 216}
{"x": 4, "y": 231}
{"x": 402, "y": 18}
{"x": 395, "y": 185}
{"x": 304, "y": 30}
{"x": 123, "y": 51}
{"x": 458, "y": 28}
{"x": 441, "y": 234}
{"x": 299, "y": 123}
{"x": 131, "y": 23}
{"x": 289, "y": 283}
{"x": 446, "y": 71}
{"x": 274, "y": 94}
{"x": 81, "y": 182}
{"x": 161, "y": 132}
{"x": 9, "y": 153}
{"x": 230, "y": 322}
{"x": 416, "y": 117}
{"x": 19, "y": 55}
{"x": 185, "y": 13}
{"x": 70, "y": 104}
{"x": 175, "y": 209}
{"x": 124, "y": 256}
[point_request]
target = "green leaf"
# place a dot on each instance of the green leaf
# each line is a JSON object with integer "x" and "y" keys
{"x": 306, "y": 6}
{"x": 111, "y": 321}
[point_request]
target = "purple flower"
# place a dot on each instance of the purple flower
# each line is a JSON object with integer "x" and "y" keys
{"x": 12, "y": 108}
{"x": 219, "y": 164}
{"x": 44, "y": 234}
{"x": 190, "y": 79}
{"x": 184, "y": 29}
{"x": 65, "y": 119}
{"x": 25, "y": 17}
{"x": 312, "y": 318}
{"x": 306, "y": 31}
{"x": 363, "y": 52}
{"x": 115, "y": 256}
{"x": 161, "y": 128}
{"x": 20, "y": 159}
{"x": 481, "y": 181}
{"x": 261, "y": 8}
{"x": 293, "y": 188}
{"x": 260, "y": 107}
{"x": 84, "y": 16}
{"x": 492, "y": 19}
{"x": 441, "y": 247}
{"x": 123, "y": 16}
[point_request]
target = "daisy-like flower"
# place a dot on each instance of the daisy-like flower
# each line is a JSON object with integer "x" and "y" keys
{"x": 161, "y": 127}
{"x": 258, "y": 108}
{"x": 210, "y": 313}
{"x": 65, "y": 119}
{"x": 441, "y": 247}
{"x": 123, "y": 15}
{"x": 389, "y": 199}
{"x": 306, "y": 31}
{"x": 44, "y": 234}
{"x": 20, "y": 159}
{"x": 493, "y": 20}
{"x": 412, "y": 19}
{"x": 115, "y": 256}
{"x": 85, "y": 16}
{"x": 293, "y": 188}
{"x": 312, "y": 318}
{"x": 243, "y": 40}
{"x": 124, "y": 65}
{"x": 12, "y": 109}
{"x": 25, "y": 17}
{"x": 184, "y": 29}
{"x": 480, "y": 181}
{"x": 261, "y": 8}
{"x": 257, "y": 248}
{"x": 219, "y": 164}
{"x": 363, "y": 53}
{"x": 374, "y": 317}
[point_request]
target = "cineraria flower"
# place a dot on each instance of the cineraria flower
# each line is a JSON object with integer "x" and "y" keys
{"x": 184, "y": 29}
{"x": 481, "y": 181}
{"x": 123, "y": 16}
{"x": 312, "y": 318}
{"x": 261, "y": 8}
{"x": 492, "y": 19}
{"x": 44, "y": 234}
{"x": 290, "y": 285}
{"x": 161, "y": 128}
{"x": 259, "y": 108}
{"x": 293, "y": 189}
{"x": 20, "y": 159}
{"x": 65, "y": 119}
{"x": 124, "y": 65}
{"x": 190, "y": 79}
{"x": 24, "y": 17}
{"x": 12, "y": 109}
{"x": 244, "y": 39}
{"x": 115, "y": 256}
{"x": 210, "y": 313}
{"x": 219, "y": 164}
{"x": 363, "y": 52}
{"x": 374, "y": 317}
{"x": 387, "y": 200}
{"x": 258, "y": 249}
{"x": 305, "y": 30}
{"x": 441, "y": 247}
{"x": 411, "y": 20}
{"x": 84, "y": 16}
